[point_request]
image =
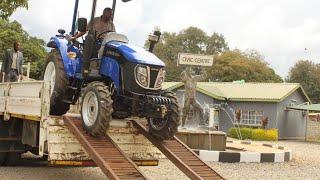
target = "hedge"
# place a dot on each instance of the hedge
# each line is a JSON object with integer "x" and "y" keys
{"x": 255, "y": 134}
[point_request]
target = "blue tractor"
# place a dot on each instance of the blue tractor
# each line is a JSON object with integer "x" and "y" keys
{"x": 111, "y": 78}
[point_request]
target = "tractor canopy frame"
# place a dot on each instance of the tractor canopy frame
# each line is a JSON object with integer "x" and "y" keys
{"x": 94, "y": 3}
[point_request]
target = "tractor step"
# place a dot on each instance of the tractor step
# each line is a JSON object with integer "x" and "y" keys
{"x": 72, "y": 88}
{"x": 67, "y": 101}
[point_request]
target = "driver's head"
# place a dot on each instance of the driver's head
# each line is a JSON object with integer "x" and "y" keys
{"x": 107, "y": 14}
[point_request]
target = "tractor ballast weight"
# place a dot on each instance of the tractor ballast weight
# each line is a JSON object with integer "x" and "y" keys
{"x": 111, "y": 78}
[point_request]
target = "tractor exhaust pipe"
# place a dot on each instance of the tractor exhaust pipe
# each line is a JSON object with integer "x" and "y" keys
{"x": 154, "y": 39}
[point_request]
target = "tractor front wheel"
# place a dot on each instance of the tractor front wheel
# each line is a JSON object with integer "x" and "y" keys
{"x": 165, "y": 128}
{"x": 96, "y": 109}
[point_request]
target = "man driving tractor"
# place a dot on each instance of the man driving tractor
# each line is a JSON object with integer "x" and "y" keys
{"x": 102, "y": 24}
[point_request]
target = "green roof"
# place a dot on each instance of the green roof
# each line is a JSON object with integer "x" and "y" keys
{"x": 267, "y": 92}
{"x": 171, "y": 85}
{"x": 306, "y": 107}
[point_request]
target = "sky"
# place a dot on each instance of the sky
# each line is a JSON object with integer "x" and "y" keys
{"x": 283, "y": 31}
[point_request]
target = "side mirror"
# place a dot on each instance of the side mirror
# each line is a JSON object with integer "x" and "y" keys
{"x": 82, "y": 24}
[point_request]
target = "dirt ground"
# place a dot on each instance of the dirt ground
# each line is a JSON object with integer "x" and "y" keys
{"x": 305, "y": 165}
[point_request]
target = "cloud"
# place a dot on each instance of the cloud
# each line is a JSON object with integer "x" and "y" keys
{"x": 281, "y": 30}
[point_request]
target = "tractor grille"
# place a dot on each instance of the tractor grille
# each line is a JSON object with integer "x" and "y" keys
{"x": 153, "y": 77}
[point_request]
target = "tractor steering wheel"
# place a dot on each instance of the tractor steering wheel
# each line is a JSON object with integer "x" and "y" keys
{"x": 99, "y": 35}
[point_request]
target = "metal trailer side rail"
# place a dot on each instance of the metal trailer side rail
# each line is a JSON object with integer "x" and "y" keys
{"x": 105, "y": 153}
{"x": 181, "y": 155}
{"x": 27, "y": 101}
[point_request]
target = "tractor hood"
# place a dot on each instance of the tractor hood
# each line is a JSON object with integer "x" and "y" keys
{"x": 136, "y": 54}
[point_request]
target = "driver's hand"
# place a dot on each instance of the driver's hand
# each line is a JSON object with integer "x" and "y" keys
{"x": 70, "y": 38}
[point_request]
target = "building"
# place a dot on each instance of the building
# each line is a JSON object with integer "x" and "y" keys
{"x": 255, "y": 101}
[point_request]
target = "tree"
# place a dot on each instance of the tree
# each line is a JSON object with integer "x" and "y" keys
{"x": 32, "y": 47}
{"x": 307, "y": 74}
{"x": 7, "y": 7}
{"x": 237, "y": 65}
{"x": 190, "y": 40}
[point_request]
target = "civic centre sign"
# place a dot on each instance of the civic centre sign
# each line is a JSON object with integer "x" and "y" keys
{"x": 195, "y": 59}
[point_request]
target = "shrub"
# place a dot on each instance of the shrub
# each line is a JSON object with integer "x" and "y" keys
{"x": 255, "y": 134}
{"x": 272, "y": 135}
{"x": 258, "y": 134}
{"x": 246, "y": 133}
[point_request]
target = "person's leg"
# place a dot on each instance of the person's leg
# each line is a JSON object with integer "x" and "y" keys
{"x": 14, "y": 76}
{"x": 185, "y": 111}
{"x": 199, "y": 108}
{"x": 7, "y": 77}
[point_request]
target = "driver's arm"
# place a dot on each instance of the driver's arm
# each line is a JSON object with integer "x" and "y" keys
{"x": 78, "y": 34}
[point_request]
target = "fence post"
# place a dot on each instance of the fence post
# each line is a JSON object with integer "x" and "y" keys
{"x": 28, "y": 71}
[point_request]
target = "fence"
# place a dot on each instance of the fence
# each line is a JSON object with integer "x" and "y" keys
{"x": 313, "y": 127}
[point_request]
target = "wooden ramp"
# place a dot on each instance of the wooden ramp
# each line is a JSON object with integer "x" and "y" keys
{"x": 105, "y": 153}
{"x": 181, "y": 155}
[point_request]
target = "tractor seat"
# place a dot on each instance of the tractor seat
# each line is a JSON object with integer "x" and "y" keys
{"x": 112, "y": 36}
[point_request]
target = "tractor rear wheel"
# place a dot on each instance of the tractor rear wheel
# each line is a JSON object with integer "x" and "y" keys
{"x": 165, "y": 128}
{"x": 96, "y": 108}
{"x": 55, "y": 74}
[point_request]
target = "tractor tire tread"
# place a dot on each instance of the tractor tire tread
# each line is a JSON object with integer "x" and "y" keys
{"x": 173, "y": 120}
{"x": 106, "y": 110}
{"x": 57, "y": 106}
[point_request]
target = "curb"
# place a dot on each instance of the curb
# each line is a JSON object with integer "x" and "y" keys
{"x": 246, "y": 156}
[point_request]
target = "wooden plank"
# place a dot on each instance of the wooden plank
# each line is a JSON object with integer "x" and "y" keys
{"x": 24, "y": 106}
{"x": 26, "y": 89}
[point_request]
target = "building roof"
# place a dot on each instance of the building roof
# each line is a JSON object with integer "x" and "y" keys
{"x": 266, "y": 92}
{"x": 306, "y": 107}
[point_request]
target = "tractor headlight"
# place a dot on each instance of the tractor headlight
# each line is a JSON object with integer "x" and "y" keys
{"x": 160, "y": 78}
{"x": 142, "y": 75}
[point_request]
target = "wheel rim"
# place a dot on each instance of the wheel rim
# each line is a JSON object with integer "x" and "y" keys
{"x": 90, "y": 108}
{"x": 50, "y": 75}
{"x": 158, "y": 123}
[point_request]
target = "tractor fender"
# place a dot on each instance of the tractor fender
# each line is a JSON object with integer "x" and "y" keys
{"x": 61, "y": 44}
{"x": 110, "y": 68}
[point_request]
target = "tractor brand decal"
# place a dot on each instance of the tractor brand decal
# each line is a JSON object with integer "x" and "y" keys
{"x": 195, "y": 59}
{"x": 112, "y": 53}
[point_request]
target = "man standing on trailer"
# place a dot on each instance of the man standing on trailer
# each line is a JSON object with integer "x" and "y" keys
{"x": 11, "y": 69}
{"x": 101, "y": 25}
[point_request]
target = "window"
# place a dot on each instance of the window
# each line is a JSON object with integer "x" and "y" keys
{"x": 251, "y": 117}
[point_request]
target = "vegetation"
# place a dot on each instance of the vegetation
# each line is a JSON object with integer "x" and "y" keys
{"x": 229, "y": 65}
{"x": 32, "y": 47}
{"x": 255, "y": 134}
{"x": 307, "y": 74}
{"x": 7, "y": 7}
{"x": 235, "y": 65}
